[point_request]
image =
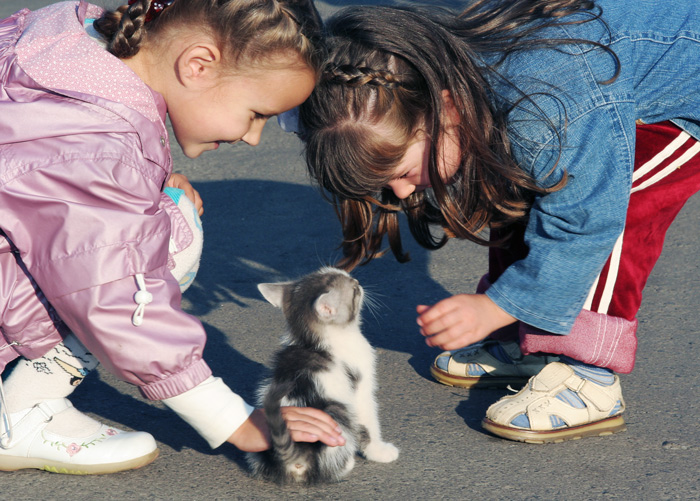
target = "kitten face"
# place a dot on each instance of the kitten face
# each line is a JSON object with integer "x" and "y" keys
{"x": 329, "y": 296}
{"x": 342, "y": 302}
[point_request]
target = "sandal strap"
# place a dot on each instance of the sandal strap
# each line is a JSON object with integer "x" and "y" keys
{"x": 459, "y": 360}
{"x": 591, "y": 393}
{"x": 29, "y": 421}
{"x": 554, "y": 376}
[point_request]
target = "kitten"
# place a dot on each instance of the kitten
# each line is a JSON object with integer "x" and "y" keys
{"x": 327, "y": 363}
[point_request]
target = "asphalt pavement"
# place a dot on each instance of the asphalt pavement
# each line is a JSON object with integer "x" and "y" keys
{"x": 264, "y": 221}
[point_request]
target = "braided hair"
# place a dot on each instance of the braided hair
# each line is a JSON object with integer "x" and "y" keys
{"x": 358, "y": 76}
{"x": 383, "y": 87}
{"x": 243, "y": 29}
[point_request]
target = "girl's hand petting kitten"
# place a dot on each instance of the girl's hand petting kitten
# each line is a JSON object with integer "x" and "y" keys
{"x": 305, "y": 424}
{"x": 180, "y": 181}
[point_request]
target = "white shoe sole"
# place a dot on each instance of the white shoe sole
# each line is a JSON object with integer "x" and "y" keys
{"x": 13, "y": 463}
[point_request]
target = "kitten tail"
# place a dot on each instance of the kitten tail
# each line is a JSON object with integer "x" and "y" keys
{"x": 283, "y": 446}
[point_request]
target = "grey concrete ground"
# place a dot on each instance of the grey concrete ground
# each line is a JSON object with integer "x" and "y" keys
{"x": 265, "y": 222}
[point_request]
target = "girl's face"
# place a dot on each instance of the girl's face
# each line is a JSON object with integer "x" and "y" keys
{"x": 236, "y": 108}
{"x": 411, "y": 175}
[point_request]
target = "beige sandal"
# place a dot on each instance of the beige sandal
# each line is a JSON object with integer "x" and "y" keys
{"x": 474, "y": 366}
{"x": 550, "y": 418}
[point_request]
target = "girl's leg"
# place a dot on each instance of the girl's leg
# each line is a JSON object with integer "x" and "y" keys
{"x": 667, "y": 174}
{"x": 573, "y": 399}
{"x": 604, "y": 334}
{"x": 55, "y": 375}
{"x": 39, "y": 427}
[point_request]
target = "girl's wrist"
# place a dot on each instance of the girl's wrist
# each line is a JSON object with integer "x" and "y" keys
{"x": 253, "y": 434}
{"x": 497, "y": 316}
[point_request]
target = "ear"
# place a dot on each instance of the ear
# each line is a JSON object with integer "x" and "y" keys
{"x": 326, "y": 305}
{"x": 198, "y": 64}
{"x": 273, "y": 293}
{"x": 451, "y": 114}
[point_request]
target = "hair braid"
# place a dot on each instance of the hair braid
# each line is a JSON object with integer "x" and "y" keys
{"x": 246, "y": 31}
{"x": 124, "y": 28}
{"x": 356, "y": 76}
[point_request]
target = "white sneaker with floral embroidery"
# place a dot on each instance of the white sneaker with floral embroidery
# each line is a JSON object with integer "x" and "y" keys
{"x": 29, "y": 444}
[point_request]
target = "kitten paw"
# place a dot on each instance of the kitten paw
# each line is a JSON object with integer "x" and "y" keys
{"x": 381, "y": 452}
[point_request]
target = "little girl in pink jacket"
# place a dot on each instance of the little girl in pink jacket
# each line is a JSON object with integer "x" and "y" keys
{"x": 84, "y": 239}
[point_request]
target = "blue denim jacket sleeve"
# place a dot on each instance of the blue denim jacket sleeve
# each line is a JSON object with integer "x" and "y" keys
{"x": 572, "y": 231}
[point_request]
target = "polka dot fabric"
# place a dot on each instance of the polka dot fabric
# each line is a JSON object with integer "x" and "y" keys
{"x": 57, "y": 53}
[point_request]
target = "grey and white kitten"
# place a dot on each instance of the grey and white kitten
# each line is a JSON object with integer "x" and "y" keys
{"x": 326, "y": 363}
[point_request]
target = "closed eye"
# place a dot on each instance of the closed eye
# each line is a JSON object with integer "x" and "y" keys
{"x": 405, "y": 174}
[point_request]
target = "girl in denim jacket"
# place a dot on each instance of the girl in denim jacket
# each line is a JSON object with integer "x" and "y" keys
{"x": 521, "y": 125}
{"x": 84, "y": 239}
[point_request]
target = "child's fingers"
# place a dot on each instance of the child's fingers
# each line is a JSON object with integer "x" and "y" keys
{"x": 311, "y": 414}
{"x": 300, "y": 434}
{"x": 432, "y": 313}
{"x": 307, "y": 424}
{"x": 198, "y": 203}
{"x": 437, "y": 319}
{"x": 304, "y": 436}
{"x": 447, "y": 340}
{"x": 443, "y": 334}
{"x": 461, "y": 320}
{"x": 194, "y": 196}
{"x": 450, "y": 324}
{"x": 180, "y": 181}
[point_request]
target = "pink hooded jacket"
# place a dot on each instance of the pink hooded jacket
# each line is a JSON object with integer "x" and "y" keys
{"x": 84, "y": 155}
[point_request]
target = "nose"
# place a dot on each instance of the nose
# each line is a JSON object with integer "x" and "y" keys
{"x": 252, "y": 137}
{"x": 402, "y": 188}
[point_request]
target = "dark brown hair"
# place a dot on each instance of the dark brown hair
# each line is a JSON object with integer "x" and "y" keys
{"x": 383, "y": 85}
{"x": 250, "y": 30}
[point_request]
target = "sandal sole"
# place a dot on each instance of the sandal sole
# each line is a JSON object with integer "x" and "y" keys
{"x": 476, "y": 381}
{"x": 19, "y": 463}
{"x": 600, "y": 428}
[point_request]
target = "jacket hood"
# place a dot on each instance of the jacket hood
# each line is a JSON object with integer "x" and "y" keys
{"x": 53, "y": 55}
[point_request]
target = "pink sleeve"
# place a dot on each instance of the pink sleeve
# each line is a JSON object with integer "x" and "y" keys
{"x": 162, "y": 356}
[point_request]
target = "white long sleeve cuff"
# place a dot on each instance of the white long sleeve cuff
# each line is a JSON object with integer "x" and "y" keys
{"x": 212, "y": 409}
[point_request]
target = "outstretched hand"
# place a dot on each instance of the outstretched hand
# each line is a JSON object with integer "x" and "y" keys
{"x": 460, "y": 320}
{"x": 305, "y": 424}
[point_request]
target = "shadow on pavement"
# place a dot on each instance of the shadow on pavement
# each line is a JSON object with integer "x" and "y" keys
{"x": 260, "y": 231}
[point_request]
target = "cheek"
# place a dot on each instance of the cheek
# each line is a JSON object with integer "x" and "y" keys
{"x": 187, "y": 125}
{"x": 423, "y": 179}
{"x": 449, "y": 157}
{"x": 237, "y": 127}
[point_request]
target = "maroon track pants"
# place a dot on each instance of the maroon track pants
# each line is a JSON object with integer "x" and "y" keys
{"x": 666, "y": 175}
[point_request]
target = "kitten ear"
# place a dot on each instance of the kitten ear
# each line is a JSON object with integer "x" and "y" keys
{"x": 326, "y": 305}
{"x": 273, "y": 293}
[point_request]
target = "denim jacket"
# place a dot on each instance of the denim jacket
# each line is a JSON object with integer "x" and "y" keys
{"x": 571, "y": 232}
